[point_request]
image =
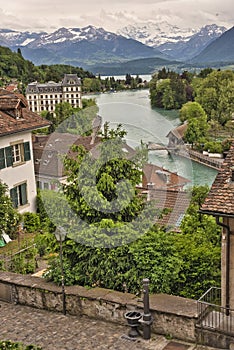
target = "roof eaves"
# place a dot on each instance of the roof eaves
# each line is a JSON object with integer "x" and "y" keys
{"x": 216, "y": 213}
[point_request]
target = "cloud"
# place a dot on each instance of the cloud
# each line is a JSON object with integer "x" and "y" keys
{"x": 112, "y": 15}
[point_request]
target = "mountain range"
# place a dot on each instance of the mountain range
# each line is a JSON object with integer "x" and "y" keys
{"x": 180, "y": 44}
{"x": 92, "y": 48}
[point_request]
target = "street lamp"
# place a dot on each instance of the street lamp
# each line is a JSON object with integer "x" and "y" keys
{"x": 60, "y": 234}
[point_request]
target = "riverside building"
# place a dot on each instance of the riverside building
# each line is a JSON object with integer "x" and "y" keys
{"x": 45, "y": 97}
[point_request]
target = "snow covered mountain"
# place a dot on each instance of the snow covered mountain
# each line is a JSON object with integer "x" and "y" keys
{"x": 12, "y": 38}
{"x": 185, "y": 50}
{"x": 76, "y": 46}
{"x": 157, "y": 33}
{"x": 220, "y": 50}
{"x": 178, "y": 43}
{"x": 90, "y": 46}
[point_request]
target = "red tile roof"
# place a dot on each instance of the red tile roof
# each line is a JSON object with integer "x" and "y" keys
{"x": 176, "y": 201}
{"x": 220, "y": 200}
{"x": 162, "y": 178}
{"x": 10, "y": 122}
{"x": 48, "y": 150}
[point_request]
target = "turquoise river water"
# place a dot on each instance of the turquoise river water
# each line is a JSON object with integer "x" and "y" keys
{"x": 132, "y": 109}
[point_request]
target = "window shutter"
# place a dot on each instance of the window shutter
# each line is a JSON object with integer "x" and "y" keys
{"x": 9, "y": 159}
{"x": 14, "y": 197}
{"x": 23, "y": 194}
{"x": 2, "y": 158}
{"x": 27, "y": 155}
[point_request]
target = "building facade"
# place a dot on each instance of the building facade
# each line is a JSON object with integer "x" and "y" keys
{"x": 45, "y": 97}
{"x": 220, "y": 204}
{"x": 16, "y": 156}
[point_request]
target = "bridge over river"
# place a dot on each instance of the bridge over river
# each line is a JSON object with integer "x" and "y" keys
{"x": 212, "y": 162}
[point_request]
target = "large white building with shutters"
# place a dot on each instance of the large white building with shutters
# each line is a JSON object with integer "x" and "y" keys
{"x": 45, "y": 97}
{"x": 16, "y": 156}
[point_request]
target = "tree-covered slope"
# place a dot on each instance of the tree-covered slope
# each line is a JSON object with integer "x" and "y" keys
{"x": 14, "y": 66}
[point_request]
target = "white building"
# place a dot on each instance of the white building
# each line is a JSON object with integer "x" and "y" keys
{"x": 16, "y": 156}
{"x": 45, "y": 97}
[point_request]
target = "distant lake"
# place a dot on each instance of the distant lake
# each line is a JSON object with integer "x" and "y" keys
{"x": 132, "y": 109}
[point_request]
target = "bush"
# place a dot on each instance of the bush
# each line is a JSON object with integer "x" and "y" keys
{"x": 213, "y": 147}
{"x": 24, "y": 262}
{"x": 31, "y": 222}
{"x": 151, "y": 256}
{"x": 46, "y": 243}
{"x": 8, "y": 344}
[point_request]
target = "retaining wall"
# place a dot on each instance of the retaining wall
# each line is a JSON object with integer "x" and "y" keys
{"x": 172, "y": 316}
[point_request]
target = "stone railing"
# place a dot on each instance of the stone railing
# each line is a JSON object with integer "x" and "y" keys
{"x": 172, "y": 316}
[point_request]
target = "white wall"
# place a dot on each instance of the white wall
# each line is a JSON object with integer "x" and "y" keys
{"x": 21, "y": 173}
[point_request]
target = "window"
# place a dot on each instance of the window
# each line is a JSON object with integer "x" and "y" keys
{"x": 18, "y": 195}
{"x": 39, "y": 185}
{"x": 46, "y": 185}
{"x": 17, "y": 156}
{"x": 14, "y": 154}
{"x": 2, "y": 158}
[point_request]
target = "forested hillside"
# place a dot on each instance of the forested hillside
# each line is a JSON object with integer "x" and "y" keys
{"x": 14, "y": 66}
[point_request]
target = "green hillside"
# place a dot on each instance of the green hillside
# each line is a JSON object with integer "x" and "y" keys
{"x": 14, "y": 66}
{"x": 138, "y": 66}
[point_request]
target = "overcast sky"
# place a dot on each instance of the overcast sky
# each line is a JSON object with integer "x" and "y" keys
{"x": 45, "y": 15}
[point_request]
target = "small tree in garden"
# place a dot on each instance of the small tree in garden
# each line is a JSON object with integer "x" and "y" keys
{"x": 9, "y": 217}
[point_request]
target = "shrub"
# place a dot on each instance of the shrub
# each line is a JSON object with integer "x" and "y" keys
{"x": 8, "y": 344}
{"x": 213, "y": 147}
{"x": 31, "y": 222}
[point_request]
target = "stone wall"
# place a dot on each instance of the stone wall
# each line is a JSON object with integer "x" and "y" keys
{"x": 172, "y": 316}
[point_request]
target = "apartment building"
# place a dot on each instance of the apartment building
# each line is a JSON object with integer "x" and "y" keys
{"x": 45, "y": 97}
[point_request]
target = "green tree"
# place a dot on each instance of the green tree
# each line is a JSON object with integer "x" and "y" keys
{"x": 216, "y": 95}
{"x": 9, "y": 217}
{"x": 193, "y": 113}
{"x": 199, "y": 245}
{"x": 229, "y": 126}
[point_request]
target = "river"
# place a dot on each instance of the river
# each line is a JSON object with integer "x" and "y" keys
{"x": 132, "y": 109}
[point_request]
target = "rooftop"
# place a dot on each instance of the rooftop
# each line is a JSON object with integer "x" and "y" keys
{"x": 176, "y": 201}
{"x": 160, "y": 178}
{"x": 15, "y": 115}
{"x": 220, "y": 200}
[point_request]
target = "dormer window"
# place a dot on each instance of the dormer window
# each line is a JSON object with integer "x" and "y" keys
{"x": 18, "y": 113}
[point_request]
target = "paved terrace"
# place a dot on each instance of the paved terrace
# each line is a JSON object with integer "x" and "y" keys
{"x": 55, "y": 331}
